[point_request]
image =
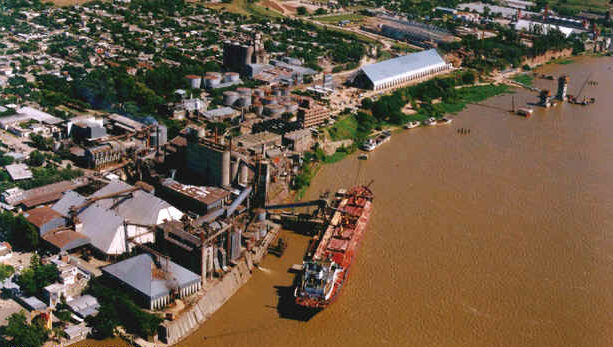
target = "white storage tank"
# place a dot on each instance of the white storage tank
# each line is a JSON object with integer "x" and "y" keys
{"x": 273, "y": 110}
{"x": 194, "y": 81}
{"x": 230, "y": 98}
{"x": 231, "y": 77}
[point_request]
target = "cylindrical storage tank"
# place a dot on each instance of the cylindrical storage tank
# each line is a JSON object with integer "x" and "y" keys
{"x": 273, "y": 110}
{"x": 194, "y": 81}
{"x": 244, "y": 176}
{"x": 213, "y": 78}
{"x": 225, "y": 168}
{"x": 259, "y": 92}
{"x": 244, "y": 101}
{"x": 231, "y": 77}
{"x": 230, "y": 97}
{"x": 244, "y": 91}
{"x": 269, "y": 100}
{"x": 291, "y": 107}
{"x": 263, "y": 231}
{"x": 234, "y": 166}
{"x": 258, "y": 109}
{"x": 207, "y": 81}
{"x": 201, "y": 132}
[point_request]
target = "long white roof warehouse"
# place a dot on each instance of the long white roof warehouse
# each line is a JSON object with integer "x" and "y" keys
{"x": 401, "y": 70}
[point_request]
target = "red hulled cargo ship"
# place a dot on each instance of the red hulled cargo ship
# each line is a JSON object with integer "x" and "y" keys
{"x": 325, "y": 272}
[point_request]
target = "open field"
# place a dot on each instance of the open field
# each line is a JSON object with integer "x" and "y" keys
{"x": 245, "y": 8}
{"x": 585, "y": 5}
{"x": 334, "y": 19}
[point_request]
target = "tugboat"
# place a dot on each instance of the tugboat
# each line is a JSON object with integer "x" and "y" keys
{"x": 327, "y": 269}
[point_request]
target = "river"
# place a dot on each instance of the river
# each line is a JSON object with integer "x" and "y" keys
{"x": 495, "y": 238}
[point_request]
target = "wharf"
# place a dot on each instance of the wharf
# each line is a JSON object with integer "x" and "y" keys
{"x": 216, "y": 293}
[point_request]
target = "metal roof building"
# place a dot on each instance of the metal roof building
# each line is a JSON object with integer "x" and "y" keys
{"x": 19, "y": 172}
{"x": 399, "y": 71}
{"x": 111, "y": 223}
{"x": 152, "y": 281}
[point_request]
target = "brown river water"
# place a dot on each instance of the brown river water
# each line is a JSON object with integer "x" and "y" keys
{"x": 496, "y": 238}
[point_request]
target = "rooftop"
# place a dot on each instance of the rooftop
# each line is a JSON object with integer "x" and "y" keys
{"x": 66, "y": 239}
{"x": 206, "y": 195}
{"x": 397, "y": 66}
{"x": 19, "y": 172}
{"x": 141, "y": 273}
{"x": 41, "y": 215}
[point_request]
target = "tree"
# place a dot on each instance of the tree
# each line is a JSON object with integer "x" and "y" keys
{"x": 6, "y": 271}
{"x": 22, "y": 234}
{"x": 24, "y": 334}
{"x": 37, "y": 276}
{"x": 301, "y": 11}
{"x": 36, "y": 159}
{"x": 320, "y": 11}
{"x": 367, "y": 103}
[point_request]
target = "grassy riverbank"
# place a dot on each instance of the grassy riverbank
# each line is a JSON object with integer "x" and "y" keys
{"x": 359, "y": 126}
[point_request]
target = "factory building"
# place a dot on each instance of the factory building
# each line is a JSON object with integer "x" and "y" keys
{"x": 200, "y": 200}
{"x": 153, "y": 281}
{"x": 299, "y": 140}
{"x": 209, "y": 160}
{"x": 236, "y": 56}
{"x": 104, "y": 154}
{"x": 117, "y": 216}
{"x": 400, "y": 71}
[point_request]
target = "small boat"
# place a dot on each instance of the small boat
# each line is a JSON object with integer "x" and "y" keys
{"x": 371, "y": 144}
{"x": 411, "y": 125}
{"x": 444, "y": 121}
{"x": 363, "y": 156}
{"x": 430, "y": 121}
{"x": 524, "y": 111}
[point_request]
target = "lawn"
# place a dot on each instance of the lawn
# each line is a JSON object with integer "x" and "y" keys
{"x": 346, "y": 128}
{"x": 523, "y": 79}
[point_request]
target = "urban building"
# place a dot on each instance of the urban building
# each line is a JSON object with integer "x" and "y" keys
{"x": 209, "y": 160}
{"x": 236, "y": 56}
{"x": 400, "y": 71}
{"x": 45, "y": 219}
{"x": 152, "y": 281}
{"x": 104, "y": 154}
{"x": 255, "y": 142}
{"x": 312, "y": 114}
{"x": 116, "y": 217}
{"x": 19, "y": 172}
{"x": 200, "y": 200}
{"x": 299, "y": 140}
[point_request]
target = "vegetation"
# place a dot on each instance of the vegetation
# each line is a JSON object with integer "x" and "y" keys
{"x": 524, "y": 79}
{"x": 37, "y": 276}
{"x": 18, "y": 231}
{"x": 116, "y": 308}
{"x": 356, "y": 18}
{"x": 6, "y": 271}
{"x": 506, "y": 49}
{"x": 19, "y": 333}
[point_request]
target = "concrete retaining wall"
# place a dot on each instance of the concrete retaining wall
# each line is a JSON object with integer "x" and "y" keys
{"x": 172, "y": 332}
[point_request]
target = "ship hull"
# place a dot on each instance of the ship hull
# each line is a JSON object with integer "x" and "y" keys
{"x": 340, "y": 243}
